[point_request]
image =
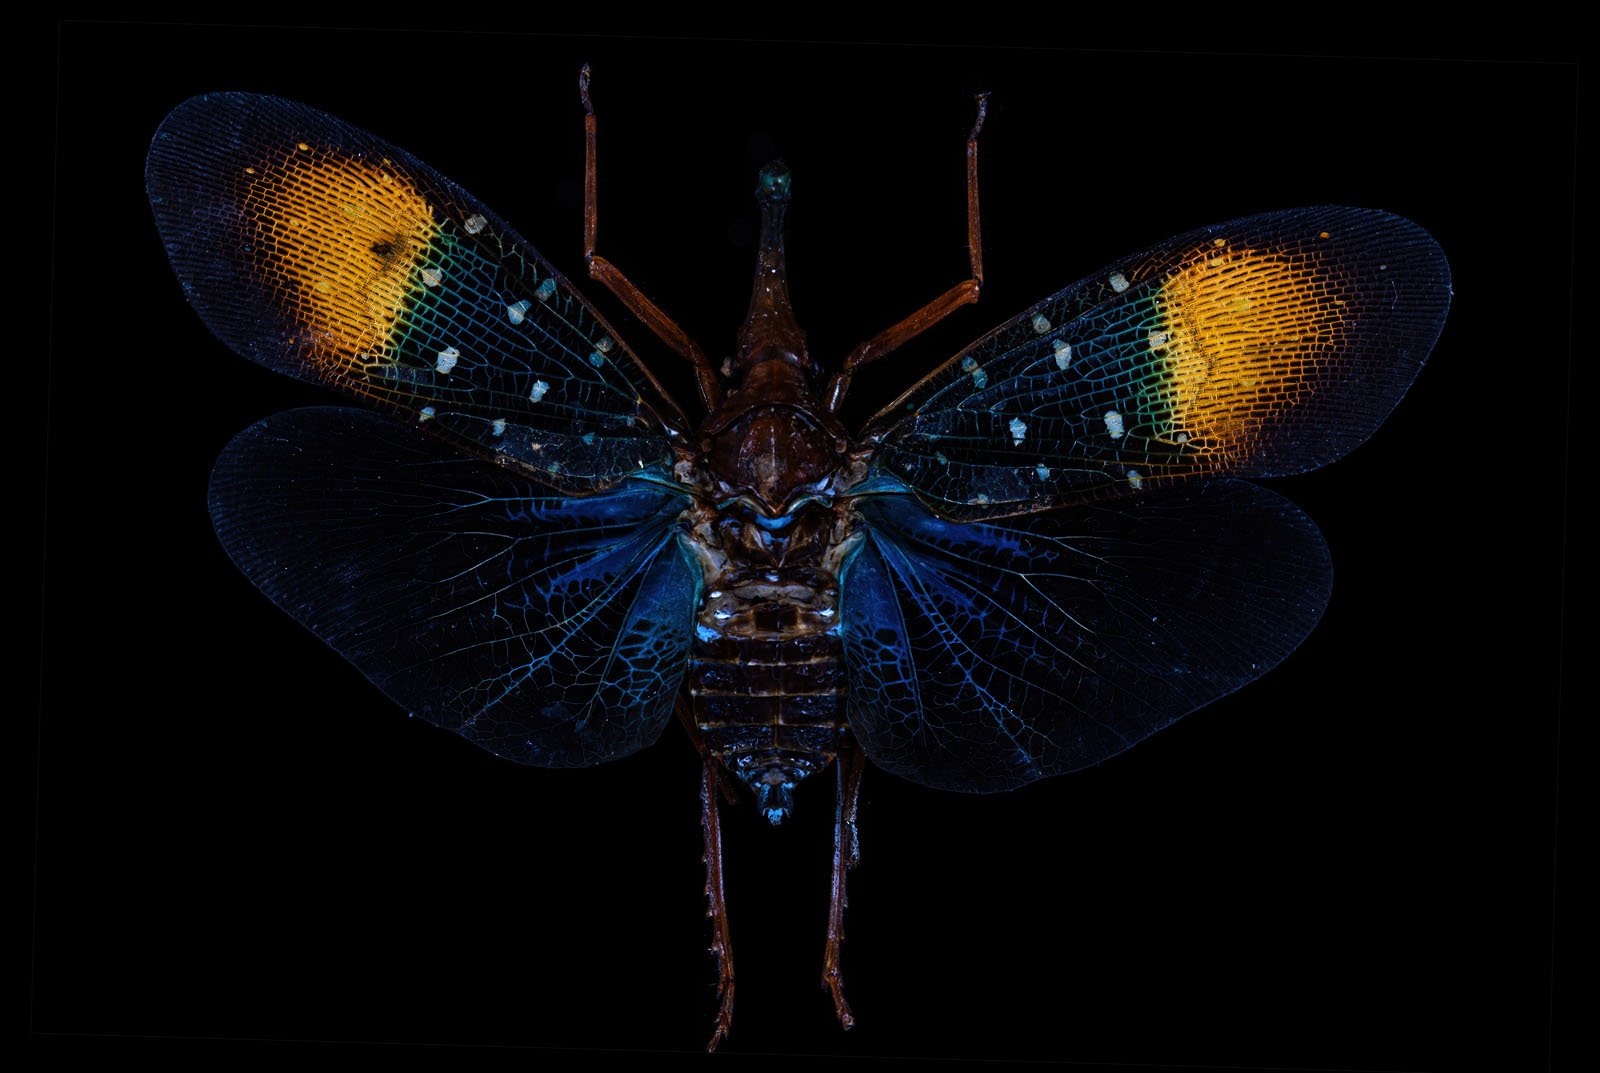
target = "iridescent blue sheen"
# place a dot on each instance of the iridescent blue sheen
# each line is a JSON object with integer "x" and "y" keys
{"x": 983, "y": 656}
{"x": 548, "y": 629}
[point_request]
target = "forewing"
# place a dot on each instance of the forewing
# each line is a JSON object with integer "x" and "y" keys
{"x": 985, "y": 655}
{"x": 549, "y": 630}
{"x": 315, "y": 249}
{"x": 1262, "y": 347}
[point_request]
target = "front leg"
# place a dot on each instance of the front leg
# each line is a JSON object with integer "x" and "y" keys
{"x": 603, "y": 271}
{"x": 963, "y": 293}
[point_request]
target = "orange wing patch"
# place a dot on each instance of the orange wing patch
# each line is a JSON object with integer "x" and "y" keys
{"x": 346, "y": 242}
{"x": 1243, "y": 332}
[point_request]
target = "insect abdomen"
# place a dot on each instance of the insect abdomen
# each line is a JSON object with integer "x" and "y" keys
{"x": 766, "y": 677}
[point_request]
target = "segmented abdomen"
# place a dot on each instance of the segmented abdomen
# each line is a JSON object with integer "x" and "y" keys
{"x": 766, "y": 676}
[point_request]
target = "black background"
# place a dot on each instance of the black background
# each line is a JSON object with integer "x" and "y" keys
{"x": 1346, "y": 864}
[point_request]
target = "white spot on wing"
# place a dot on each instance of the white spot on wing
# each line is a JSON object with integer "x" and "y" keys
{"x": 1119, "y": 282}
{"x": 499, "y": 426}
{"x": 1136, "y": 479}
{"x": 1040, "y": 323}
{"x": 475, "y": 223}
{"x": 427, "y": 413}
{"x": 539, "y": 388}
{"x": 1113, "y": 424}
{"x": 1063, "y": 353}
{"x": 603, "y": 344}
{"x": 545, "y": 290}
{"x": 518, "y": 312}
{"x": 1157, "y": 340}
{"x": 1019, "y": 428}
{"x": 1043, "y": 471}
{"x": 447, "y": 359}
{"x": 432, "y": 277}
{"x": 979, "y": 377}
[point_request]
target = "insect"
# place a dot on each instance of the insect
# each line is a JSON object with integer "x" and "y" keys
{"x": 1036, "y": 556}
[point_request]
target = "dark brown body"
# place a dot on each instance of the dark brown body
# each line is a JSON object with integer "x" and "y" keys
{"x": 774, "y": 469}
{"x": 766, "y": 678}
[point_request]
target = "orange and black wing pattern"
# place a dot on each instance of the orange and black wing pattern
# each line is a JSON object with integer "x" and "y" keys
{"x": 502, "y": 560}
{"x": 318, "y": 250}
{"x": 1257, "y": 348}
{"x": 1058, "y": 557}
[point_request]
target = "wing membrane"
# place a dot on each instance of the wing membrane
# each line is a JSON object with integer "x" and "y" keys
{"x": 982, "y": 656}
{"x": 315, "y": 249}
{"x": 1262, "y": 347}
{"x": 550, "y": 630}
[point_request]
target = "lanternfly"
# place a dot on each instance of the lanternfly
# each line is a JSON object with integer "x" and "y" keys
{"x": 1035, "y": 557}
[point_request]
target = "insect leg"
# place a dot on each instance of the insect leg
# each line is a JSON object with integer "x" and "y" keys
{"x": 846, "y": 854}
{"x": 618, "y": 284}
{"x": 963, "y": 293}
{"x": 717, "y": 907}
